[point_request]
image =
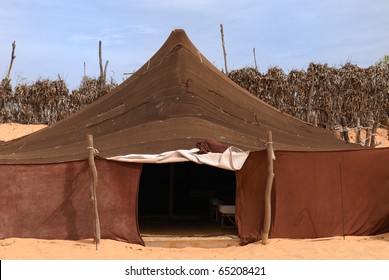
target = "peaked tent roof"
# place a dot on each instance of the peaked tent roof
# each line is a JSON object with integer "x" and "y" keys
{"x": 175, "y": 100}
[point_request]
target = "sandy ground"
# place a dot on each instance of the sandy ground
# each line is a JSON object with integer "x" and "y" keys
{"x": 9, "y": 131}
{"x": 382, "y": 140}
{"x": 335, "y": 248}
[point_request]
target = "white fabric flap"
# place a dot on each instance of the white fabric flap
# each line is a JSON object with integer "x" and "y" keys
{"x": 231, "y": 159}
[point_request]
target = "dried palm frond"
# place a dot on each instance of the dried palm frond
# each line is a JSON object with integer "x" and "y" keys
{"x": 332, "y": 93}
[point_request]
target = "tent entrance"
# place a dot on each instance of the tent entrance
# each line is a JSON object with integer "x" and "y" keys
{"x": 174, "y": 199}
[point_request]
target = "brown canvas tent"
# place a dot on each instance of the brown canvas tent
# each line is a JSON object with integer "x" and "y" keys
{"x": 176, "y": 102}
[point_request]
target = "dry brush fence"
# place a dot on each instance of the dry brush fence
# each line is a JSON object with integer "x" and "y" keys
{"x": 46, "y": 101}
{"x": 330, "y": 93}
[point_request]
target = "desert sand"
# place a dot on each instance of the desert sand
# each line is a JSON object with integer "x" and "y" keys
{"x": 334, "y": 248}
{"x": 9, "y": 131}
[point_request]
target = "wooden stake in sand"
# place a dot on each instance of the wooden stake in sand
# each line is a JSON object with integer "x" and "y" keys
{"x": 373, "y": 135}
{"x": 358, "y": 133}
{"x": 269, "y": 184}
{"x": 345, "y": 129}
{"x": 369, "y": 129}
{"x": 387, "y": 127}
{"x": 93, "y": 188}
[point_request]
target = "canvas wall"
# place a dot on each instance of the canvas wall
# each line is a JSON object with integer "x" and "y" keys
{"x": 52, "y": 201}
{"x": 315, "y": 194}
{"x": 319, "y": 194}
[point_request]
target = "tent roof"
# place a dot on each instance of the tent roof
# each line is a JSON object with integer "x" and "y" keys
{"x": 175, "y": 100}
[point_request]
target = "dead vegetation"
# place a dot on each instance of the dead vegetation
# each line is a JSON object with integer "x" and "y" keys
{"x": 46, "y": 101}
{"x": 329, "y": 92}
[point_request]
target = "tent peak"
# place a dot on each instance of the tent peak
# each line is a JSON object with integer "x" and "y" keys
{"x": 179, "y": 30}
{"x": 179, "y": 36}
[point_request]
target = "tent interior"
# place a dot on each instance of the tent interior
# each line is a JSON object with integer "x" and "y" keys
{"x": 174, "y": 199}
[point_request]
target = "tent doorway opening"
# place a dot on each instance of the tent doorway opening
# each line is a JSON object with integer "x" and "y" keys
{"x": 175, "y": 199}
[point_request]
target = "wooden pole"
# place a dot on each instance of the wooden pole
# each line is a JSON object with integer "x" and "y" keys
{"x": 12, "y": 60}
{"x": 255, "y": 59}
{"x": 368, "y": 135}
{"x": 387, "y": 128}
{"x": 100, "y": 60}
{"x": 341, "y": 196}
{"x": 224, "y": 49}
{"x": 368, "y": 130}
{"x": 269, "y": 184}
{"x": 93, "y": 188}
{"x": 315, "y": 118}
{"x": 358, "y": 134}
{"x": 345, "y": 130}
{"x": 373, "y": 134}
{"x": 105, "y": 73}
{"x": 101, "y": 69}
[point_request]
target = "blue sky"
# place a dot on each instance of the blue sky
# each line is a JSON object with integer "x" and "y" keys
{"x": 57, "y": 36}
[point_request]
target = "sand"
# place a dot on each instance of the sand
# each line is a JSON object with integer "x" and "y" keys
{"x": 9, "y": 131}
{"x": 334, "y": 248}
{"x": 382, "y": 139}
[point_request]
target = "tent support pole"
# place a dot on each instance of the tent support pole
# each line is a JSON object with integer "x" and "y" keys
{"x": 12, "y": 61}
{"x": 224, "y": 48}
{"x": 93, "y": 187}
{"x": 269, "y": 184}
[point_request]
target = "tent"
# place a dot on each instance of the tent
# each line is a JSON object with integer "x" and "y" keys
{"x": 178, "y": 107}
